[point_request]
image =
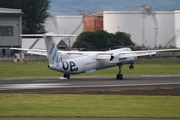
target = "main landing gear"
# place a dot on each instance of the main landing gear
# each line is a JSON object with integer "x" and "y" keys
{"x": 119, "y": 76}
{"x": 66, "y": 75}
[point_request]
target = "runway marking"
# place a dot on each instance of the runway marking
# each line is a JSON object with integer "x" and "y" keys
{"x": 62, "y": 78}
{"x": 30, "y": 86}
{"x": 122, "y": 85}
{"x": 50, "y": 85}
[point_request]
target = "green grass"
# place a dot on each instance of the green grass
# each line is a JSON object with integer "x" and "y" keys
{"x": 143, "y": 67}
{"x": 89, "y": 105}
{"x": 31, "y": 69}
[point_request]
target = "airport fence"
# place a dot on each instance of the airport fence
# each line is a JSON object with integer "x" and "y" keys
{"x": 11, "y": 58}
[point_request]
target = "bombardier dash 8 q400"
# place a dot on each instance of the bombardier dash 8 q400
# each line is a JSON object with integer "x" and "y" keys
{"x": 75, "y": 62}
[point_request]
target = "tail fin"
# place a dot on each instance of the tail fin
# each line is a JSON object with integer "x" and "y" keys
{"x": 52, "y": 51}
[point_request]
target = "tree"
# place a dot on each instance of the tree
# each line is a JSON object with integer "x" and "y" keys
{"x": 35, "y": 13}
{"x": 101, "y": 39}
{"x": 123, "y": 39}
{"x": 84, "y": 40}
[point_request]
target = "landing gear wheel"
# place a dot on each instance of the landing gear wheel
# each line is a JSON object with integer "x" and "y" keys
{"x": 131, "y": 66}
{"x": 66, "y": 76}
{"x": 119, "y": 76}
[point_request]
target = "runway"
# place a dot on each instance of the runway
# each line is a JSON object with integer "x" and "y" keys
{"x": 95, "y": 85}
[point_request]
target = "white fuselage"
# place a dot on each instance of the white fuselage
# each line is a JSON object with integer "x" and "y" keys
{"x": 80, "y": 62}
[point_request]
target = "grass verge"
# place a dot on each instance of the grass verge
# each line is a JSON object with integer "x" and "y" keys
{"x": 89, "y": 105}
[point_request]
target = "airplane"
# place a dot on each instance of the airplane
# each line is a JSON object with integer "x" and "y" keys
{"x": 76, "y": 62}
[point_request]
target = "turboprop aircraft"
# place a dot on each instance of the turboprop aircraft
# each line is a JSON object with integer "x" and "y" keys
{"x": 75, "y": 62}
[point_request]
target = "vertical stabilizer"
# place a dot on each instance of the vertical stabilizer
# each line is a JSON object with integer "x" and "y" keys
{"x": 52, "y": 51}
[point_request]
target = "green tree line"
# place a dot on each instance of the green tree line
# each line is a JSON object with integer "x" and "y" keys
{"x": 101, "y": 39}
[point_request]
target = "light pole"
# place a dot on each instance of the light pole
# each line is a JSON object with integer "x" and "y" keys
{"x": 143, "y": 28}
{"x": 155, "y": 37}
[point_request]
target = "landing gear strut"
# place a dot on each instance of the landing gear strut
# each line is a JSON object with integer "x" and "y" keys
{"x": 119, "y": 76}
{"x": 66, "y": 75}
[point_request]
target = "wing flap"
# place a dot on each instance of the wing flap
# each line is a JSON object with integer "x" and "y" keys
{"x": 104, "y": 56}
{"x": 74, "y": 54}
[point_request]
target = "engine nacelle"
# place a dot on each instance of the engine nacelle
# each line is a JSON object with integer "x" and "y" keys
{"x": 118, "y": 58}
{"x": 115, "y": 58}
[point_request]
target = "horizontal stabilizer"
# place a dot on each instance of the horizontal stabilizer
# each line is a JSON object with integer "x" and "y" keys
{"x": 47, "y": 35}
{"x": 58, "y": 35}
{"x": 31, "y": 35}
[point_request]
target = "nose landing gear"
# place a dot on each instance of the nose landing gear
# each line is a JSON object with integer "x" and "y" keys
{"x": 131, "y": 66}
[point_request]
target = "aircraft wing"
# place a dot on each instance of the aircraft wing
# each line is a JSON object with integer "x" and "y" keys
{"x": 123, "y": 54}
{"x": 126, "y": 54}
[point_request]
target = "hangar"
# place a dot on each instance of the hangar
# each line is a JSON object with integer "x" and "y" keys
{"x": 10, "y": 29}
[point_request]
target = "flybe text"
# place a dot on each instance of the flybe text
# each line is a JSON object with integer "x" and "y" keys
{"x": 69, "y": 65}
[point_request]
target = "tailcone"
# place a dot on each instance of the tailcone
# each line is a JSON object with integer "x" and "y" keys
{"x": 51, "y": 66}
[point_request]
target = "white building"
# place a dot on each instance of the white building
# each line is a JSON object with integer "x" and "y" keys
{"x": 148, "y": 28}
{"x": 72, "y": 25}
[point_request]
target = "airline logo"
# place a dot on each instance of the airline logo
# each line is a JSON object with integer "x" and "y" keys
{"x": 66, "y": 65}
{"x": 55, "y": 55}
